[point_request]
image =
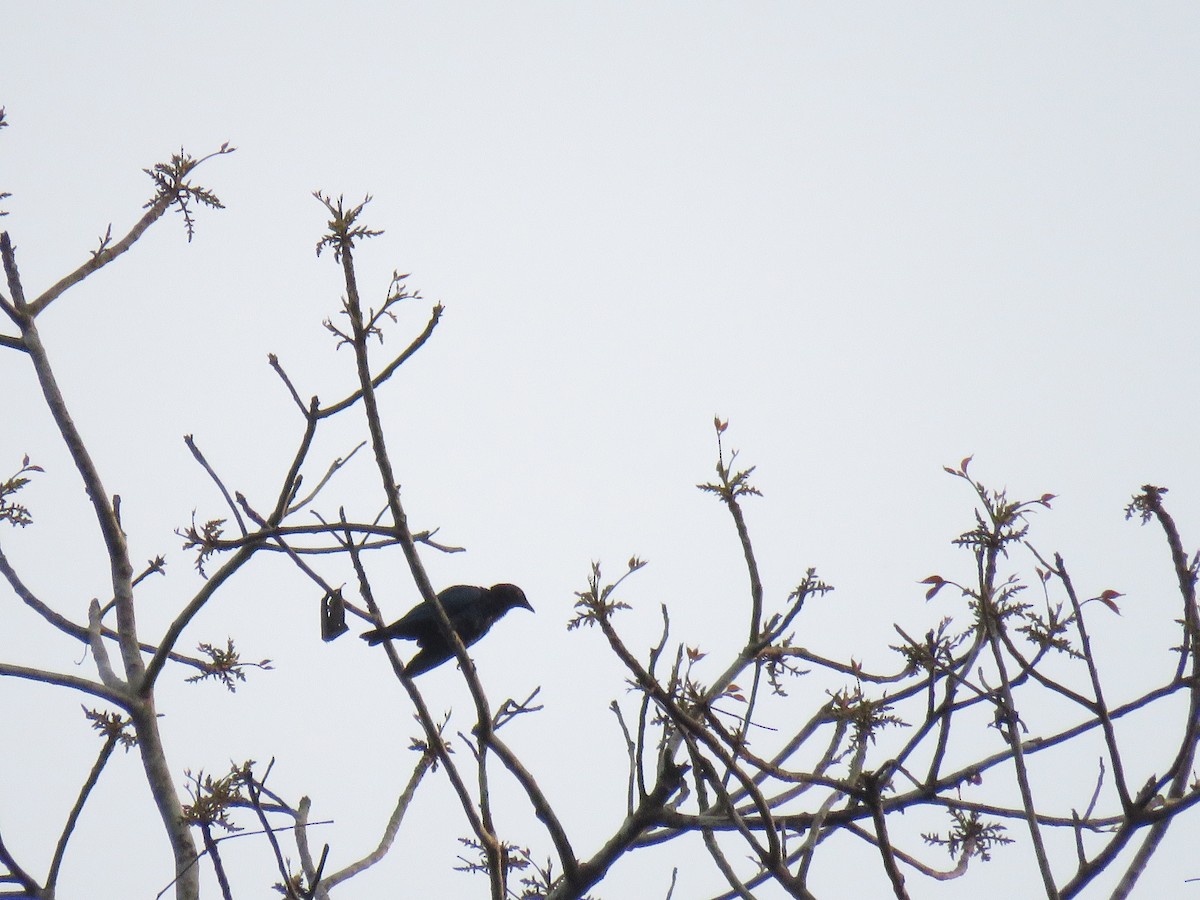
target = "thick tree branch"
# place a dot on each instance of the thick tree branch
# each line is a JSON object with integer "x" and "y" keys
{"x": 342, "y": 236}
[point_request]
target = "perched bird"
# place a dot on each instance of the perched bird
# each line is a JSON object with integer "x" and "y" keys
{"x": 471, "y": 610}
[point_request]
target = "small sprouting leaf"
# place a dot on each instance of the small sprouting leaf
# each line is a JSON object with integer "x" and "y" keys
{"x": 694, "y": 654}
{"x": 11, "y": 512}
{"x": 961, "y": 471}
{"x": 1045, "y": 499}
{"x": 720, "y": 426}
{"x": 113, "y": 726}
{"x": 938, "y": 583}
{"x": 1108, "y": 598}
{"x": 225, "y": 665}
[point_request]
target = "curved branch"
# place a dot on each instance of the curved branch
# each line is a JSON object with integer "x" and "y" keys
{"x": 59, "y": 621}
{"x": 18, "y": 874}
{"x": 71, "y": 681}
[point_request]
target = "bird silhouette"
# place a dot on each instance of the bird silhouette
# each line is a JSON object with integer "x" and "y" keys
{"x": 472, "y": 611}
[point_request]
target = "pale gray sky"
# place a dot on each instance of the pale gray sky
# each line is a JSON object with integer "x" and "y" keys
{"x": 876, "y": 237}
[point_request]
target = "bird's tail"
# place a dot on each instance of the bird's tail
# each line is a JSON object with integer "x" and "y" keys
{"x": 374, "y": 636}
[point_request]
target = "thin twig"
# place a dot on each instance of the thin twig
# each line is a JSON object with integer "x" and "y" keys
{"x": 275, "y": 364}
{"x": 199, "y": 457}
{"x": 1101, "y": 707}
{"x": 254, "y": 789}
{"x": 330, "y": 472}
{"x": 85, "y": 791}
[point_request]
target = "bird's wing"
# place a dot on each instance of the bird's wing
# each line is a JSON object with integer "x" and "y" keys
{"x": 420, "y": 622}
{"x": 460, "y": 598}
{"x": 427, "y": 658}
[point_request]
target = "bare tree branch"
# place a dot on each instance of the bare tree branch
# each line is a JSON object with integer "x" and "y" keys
{"x": 102, "y": 257}
{"x": 70, "y": 681}
{"x": 60, "y": 849}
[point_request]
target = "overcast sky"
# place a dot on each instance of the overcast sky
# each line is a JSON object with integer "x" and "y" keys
{"x": 876, "y": 237}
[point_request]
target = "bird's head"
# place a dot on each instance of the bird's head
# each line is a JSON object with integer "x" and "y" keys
{"x": 510, "y": 595}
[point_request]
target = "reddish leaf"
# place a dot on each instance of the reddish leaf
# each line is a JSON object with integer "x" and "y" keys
{"x": 720, "y": 426}
{"x": 694, "y": 654}
{"x": 966, "y": 462}
{"x": 1108, "y": 598}
{"x": 1045, "y": 499}
{"x": 938, "y": 583}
